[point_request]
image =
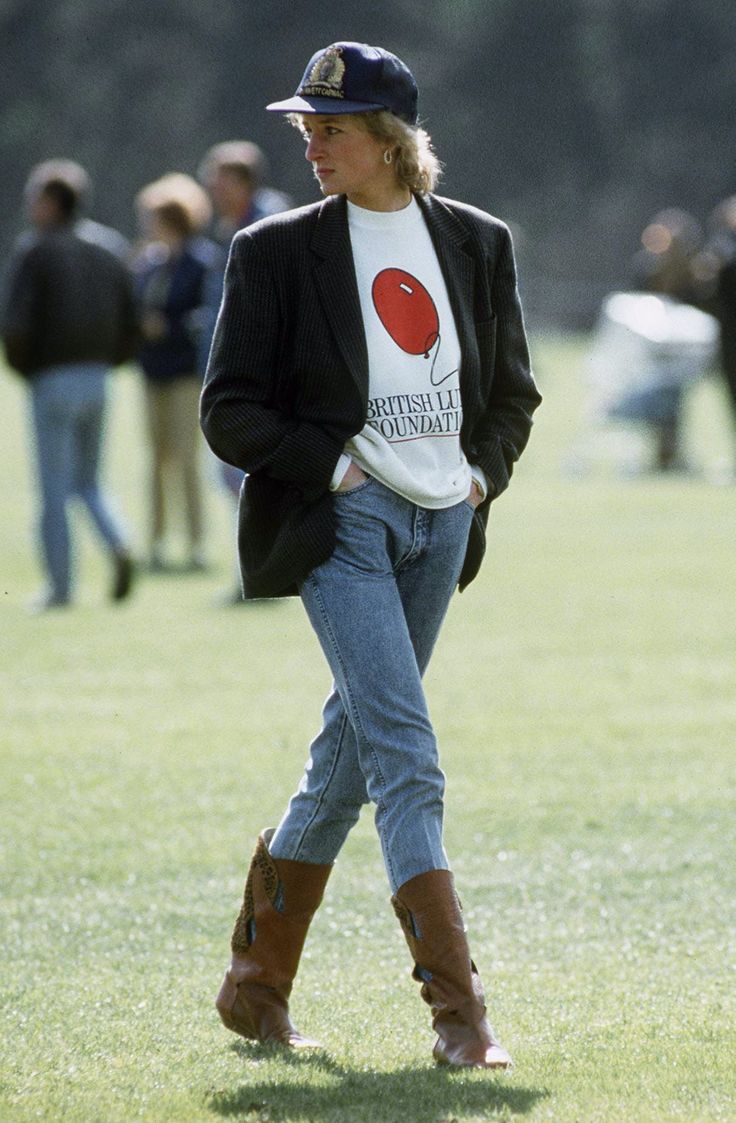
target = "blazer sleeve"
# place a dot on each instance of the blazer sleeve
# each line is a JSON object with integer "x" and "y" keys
{"x": 244, "y": 405}
{"x": 502, "y": 431}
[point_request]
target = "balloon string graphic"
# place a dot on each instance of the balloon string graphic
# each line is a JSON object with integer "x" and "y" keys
{"x": 435, "y": 337}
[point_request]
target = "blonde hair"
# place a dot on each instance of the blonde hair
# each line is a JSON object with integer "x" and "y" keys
{"x": 179, "y": 200}
{"x": 417, "y": 165}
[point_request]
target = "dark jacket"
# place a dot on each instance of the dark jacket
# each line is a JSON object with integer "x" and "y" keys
{"x": 725, "y": 310}
{"x": 69, "y": 301}
{"x": 174, "y": 286}
{"x": 287, "y": 380}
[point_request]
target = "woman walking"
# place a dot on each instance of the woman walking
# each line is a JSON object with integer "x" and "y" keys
{"x": 370, "y": 373}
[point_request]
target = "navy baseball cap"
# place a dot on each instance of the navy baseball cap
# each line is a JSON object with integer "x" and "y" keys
{"x": 354, "y": 78}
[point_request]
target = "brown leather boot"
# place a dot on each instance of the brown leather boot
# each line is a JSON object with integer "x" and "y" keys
{"x": 281, "y": 897}
{"x": 429, "y": 912}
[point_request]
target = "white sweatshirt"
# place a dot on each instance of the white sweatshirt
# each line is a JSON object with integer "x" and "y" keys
{"x": 411, "y": 440}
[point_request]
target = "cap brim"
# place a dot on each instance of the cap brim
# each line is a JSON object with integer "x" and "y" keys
{"x": 328, "y": 105}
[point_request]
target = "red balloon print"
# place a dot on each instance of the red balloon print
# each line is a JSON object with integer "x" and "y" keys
{"x": 406, "y": 310}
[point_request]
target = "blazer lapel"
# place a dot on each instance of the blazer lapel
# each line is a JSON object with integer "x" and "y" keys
{"x": 450, "y": 241}
{"x": 334, "y": 276}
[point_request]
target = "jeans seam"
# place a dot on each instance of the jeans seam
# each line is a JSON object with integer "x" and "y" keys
{"x": 325, "y": 788}
{"x": 418, "y": 541}
{"x": 354, "y": 713}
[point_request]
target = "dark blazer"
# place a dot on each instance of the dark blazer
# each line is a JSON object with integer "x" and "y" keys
{"x": 287, "y": 379}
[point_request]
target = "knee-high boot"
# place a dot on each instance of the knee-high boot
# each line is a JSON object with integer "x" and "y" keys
{"x": 281, "y": 897}
{"x": 430, "y": 915}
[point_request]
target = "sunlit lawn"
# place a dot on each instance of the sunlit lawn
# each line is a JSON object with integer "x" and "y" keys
{"x": 584, "y": 692}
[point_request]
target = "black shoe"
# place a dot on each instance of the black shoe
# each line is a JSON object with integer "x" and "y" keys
{"x": 122, "y": 576}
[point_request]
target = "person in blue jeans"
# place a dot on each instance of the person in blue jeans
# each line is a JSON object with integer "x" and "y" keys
{"x": 69, "y": 317}
{"x": 370, "y": 373}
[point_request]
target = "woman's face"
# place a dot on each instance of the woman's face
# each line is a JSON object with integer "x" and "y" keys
{"x": 348, "y": 160}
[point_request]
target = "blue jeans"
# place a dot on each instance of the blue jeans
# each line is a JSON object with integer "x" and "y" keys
{"x": 68, "y": 410}
{"x": 377, "y": 606}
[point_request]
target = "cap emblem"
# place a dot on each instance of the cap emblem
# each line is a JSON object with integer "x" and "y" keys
{"x": 325, "y": 77}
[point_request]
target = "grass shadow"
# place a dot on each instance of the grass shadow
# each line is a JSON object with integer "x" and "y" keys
{"x": 322, "y": 1090}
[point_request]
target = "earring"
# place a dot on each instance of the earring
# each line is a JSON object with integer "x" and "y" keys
{"x": 388, "y": 156}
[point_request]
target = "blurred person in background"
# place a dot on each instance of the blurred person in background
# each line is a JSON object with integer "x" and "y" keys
{"x": 370, "y": 373}
{"x": 723, "y": 250}
{"x": 649, "y": 346}
{"x": 84, "y": 226}
{"x": 69, "y": 316}
{"x": 665, "y": 265}
{"x": 171, "y": 272}
{"x": 234, "y": 174}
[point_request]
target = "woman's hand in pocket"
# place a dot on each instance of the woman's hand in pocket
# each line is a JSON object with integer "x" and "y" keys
{"x": 353, "y": 478}
{"x": 475, "y": 495}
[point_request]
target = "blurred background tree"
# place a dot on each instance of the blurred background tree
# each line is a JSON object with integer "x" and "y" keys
{"x": 573, "y": 120}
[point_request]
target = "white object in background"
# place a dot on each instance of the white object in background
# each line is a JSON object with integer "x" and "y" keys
{"x": 645, "y": 341}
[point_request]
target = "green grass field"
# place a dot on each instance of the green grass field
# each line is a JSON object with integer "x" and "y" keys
{"x": 584, "y": 692}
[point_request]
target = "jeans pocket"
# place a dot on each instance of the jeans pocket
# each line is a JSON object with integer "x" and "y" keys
{"x": 353, "y": 490}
